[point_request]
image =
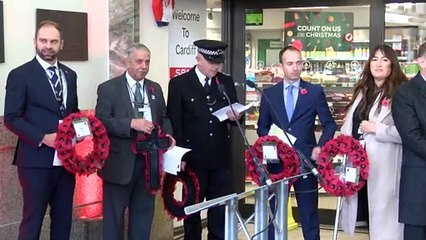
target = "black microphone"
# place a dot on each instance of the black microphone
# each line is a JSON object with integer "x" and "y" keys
{"x": 301, "y": 156}
{"x": 263, "y": 173}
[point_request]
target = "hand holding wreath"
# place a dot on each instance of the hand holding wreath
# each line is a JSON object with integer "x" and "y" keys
{"x": 84, "y": 157}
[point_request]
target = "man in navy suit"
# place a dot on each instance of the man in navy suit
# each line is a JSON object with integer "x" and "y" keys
{"x": 408, "y": 111}
{"x": 297, "y": 103}
{"x": 128, "y": 105}
{"x": 39, "y": 94}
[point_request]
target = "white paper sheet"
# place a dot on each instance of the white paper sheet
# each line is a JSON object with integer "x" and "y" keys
{"x": 276, "y": 131}
{"x": 172, "y": 159}
{"x": 238, "y": 107}
{"x": 56, "y": 160}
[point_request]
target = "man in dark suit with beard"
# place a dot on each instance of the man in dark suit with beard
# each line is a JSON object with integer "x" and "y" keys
{"x": 192, "y": 99}
{"x": 38, "y": 95}
{"x": 129, "y": 105}
{"x": 408, "y": 111}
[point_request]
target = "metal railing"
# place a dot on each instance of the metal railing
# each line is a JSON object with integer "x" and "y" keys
{"x": 261, "y": 212}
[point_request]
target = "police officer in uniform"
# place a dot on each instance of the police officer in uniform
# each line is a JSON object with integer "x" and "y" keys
{"x": 192, "y": 98}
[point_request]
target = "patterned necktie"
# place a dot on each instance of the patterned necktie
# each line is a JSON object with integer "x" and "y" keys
{"x": 138, "y": 104}
{"x": 57, "y": 87}
{"x": 54, "y": 79}
{"x": 206, "y": 85}
{"x": 289, "y": 105}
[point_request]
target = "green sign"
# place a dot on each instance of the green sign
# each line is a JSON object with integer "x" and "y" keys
{"x": 254, "y": 17}
{"x": 319, "y": 31}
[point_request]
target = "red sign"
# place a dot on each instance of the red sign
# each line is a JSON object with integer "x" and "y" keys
{"x": 176, "y": 71}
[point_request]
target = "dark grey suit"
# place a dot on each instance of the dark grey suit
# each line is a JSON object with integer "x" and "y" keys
{"x": 408, "y": 111}
{"x": 123, "y": 172}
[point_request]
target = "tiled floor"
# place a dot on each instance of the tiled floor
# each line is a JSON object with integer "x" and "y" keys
{"x": 326, "y": 232}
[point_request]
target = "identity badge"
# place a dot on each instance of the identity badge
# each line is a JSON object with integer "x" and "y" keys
{"x": 352, "y": 175}
{"x": 81, "y": 128}
{"x": 270, "y": 153}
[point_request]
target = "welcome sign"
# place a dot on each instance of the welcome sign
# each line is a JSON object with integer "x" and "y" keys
{"x": 188, "y": 25}
{"x": 319, "y": 31}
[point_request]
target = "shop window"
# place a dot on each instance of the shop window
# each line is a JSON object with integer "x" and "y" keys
{"x": 405, "y": 31}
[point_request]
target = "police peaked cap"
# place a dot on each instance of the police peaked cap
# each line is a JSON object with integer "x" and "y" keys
{"x": 212, "y": 50}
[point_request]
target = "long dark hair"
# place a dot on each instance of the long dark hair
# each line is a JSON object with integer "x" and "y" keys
{"x": 368, "y": 88}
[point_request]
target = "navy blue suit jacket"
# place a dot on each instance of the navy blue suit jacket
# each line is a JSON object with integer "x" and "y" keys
{"x": 302, "y": 124}
{"x": 31, "y": 111}
{"x": 408, "y": 111}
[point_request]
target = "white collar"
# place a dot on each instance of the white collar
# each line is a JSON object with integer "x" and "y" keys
{"x": 424, "y": 78}
{"x": 131, "y": 81}
{"x": 45, "y": 65}
{"x": 295, "y": 84}
{"x": 201, "y": 77}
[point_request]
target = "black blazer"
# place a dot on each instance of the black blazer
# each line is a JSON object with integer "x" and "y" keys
{"x": 31, "y": 111}
{"x": 193, "y": 124}
{"x": 409, "y": 114}
{"x": 114, "y": 109}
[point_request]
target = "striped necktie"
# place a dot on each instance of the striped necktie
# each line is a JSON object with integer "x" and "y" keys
{"x": 54, "y": 79}
{"x": 57, "y": 87}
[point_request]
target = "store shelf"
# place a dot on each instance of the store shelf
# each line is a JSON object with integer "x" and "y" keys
{"x": 402, "y": 59}
{"x": 339, "y": 84}
{"x": 338, "y": 81}
{"x": 251, "y": 124}
{"x": 264, "y": 84}
{"x": 386, "y": 41}
{"x": 349, "y": 59}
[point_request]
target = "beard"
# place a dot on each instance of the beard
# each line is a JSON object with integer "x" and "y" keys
{"x": 46, "y": 55}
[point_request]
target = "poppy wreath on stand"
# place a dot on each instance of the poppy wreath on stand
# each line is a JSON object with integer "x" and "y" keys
{"x": 190, "y": 192}
{"x": 82, "y": 157}
{"x": 286, "y": 154}
{"x": 356, "y": 156}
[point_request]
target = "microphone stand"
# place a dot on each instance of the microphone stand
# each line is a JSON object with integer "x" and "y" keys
{"x": 299, "y": 153}
{"x": 263, "y": 173}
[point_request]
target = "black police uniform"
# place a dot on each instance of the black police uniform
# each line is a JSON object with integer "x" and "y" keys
{"x": 190, "y": 109}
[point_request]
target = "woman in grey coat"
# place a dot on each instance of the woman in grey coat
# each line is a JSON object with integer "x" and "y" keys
{"x": 369, "y": 117}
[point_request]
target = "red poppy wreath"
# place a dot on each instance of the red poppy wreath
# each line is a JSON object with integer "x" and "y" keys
{"x": 82, "y": 157}
{"x": 356, "y": 155}
{"x": 286, "y": 154}
{"x": 190, "y": 192}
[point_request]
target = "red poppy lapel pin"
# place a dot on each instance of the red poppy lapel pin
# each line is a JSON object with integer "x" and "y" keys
{"x": 152, "y": 91}
{"x": 385, "y": 102}
{"x": 303, "y": 91}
